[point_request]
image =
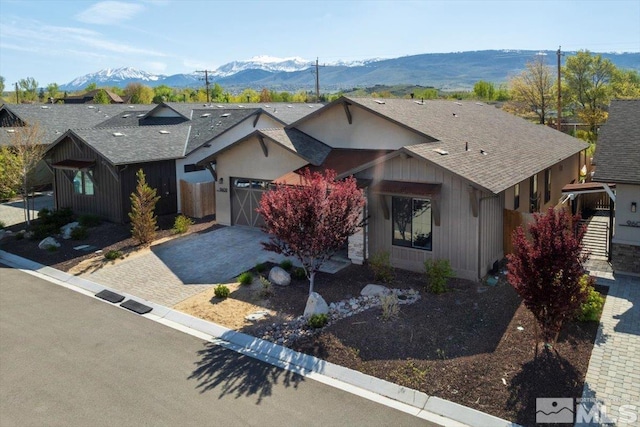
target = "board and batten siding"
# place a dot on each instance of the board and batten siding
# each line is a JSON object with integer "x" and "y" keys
{"x": 106, "y": 201}
{"x": 455, "y": 239}
{"x": 491, "y": 231}
{"x": 160, "y": 175}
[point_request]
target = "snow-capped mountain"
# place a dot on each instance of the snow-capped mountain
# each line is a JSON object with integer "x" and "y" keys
{"x": 264, "y": 62}
{"x": 113, "y": 77}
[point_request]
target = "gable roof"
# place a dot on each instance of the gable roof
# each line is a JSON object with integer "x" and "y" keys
{"x": 121, "y": 146}
{"x": 55, "y": 119}
{"x": 285, "y": 112}
{"x": 87, "y": 98}
{"x": 617, "y": 156}
{"x": 513, "y": 149}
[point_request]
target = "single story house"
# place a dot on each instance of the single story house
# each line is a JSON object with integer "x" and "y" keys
{"x": 94, "y": 168}
{"x": 438, "y": 175}
{"x": 617, "y": 160}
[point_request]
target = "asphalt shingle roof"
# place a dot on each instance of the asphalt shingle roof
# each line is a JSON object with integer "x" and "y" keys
{"x": 137, "y": 144}
{"x": 310, "y": 149}
{"x": 617, "y": 156}
{"x": 283, "y": 111}
{"x": 515, "y": 148}
{"x": 56, "y": 119}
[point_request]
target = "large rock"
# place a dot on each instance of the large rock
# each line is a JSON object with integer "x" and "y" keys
{"x": 279, "y": 277}
{"x": 315, "y": 305}
{"x": 66, "y": 230}
{"x": 48, "y": 242}
{"x": 372, "y": 290}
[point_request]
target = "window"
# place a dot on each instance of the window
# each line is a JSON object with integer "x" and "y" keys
{"x": 533, "y": 193}
{"x": 516, "y": 197}
{"x": 547, "y": 185}
{"x": 193, "y": 168}
{"x": 411, "y": 222}
{"x": 83, "y": 183}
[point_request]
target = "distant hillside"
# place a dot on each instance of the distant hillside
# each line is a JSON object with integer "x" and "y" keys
{"x": 445, "y": 71}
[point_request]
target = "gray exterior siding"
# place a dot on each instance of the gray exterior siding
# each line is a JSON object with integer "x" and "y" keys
{"x": 491, "y": 231}
{"x": 455, "y": 239}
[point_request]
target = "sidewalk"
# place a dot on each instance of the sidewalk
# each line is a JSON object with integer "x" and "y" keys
{"x": 613, "y": 376}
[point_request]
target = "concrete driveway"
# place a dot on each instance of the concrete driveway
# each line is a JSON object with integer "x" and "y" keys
{"x": 12, "y": 213}
{"x": 178, "y": 269}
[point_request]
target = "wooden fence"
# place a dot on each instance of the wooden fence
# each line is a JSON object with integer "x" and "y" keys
{"x": 197, "y": 199}
{"x": 513, "y": 220}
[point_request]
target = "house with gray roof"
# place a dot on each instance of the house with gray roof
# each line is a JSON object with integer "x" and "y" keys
{"x": 95, "y": 164}
{"x": 438, "y": 175}
{"x": 617, "y": 160}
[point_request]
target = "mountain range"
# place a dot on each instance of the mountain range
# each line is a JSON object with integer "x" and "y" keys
{"x": 445, "y": 71}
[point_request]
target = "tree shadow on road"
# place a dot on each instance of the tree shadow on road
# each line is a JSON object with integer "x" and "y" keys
{"x": 230, "y": 373}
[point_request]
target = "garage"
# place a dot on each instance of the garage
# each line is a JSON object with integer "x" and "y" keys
{"x": 245, "y": 198}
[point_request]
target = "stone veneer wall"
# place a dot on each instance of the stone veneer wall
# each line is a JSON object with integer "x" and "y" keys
{"x": 625, "y": 258}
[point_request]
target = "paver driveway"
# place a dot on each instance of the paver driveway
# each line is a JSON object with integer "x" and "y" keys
{"x": 180, "y": 268}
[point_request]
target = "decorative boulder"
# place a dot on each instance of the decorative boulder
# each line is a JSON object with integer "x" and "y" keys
{"x": 66, "y": 230}
{"x": 374, "y": 291}
{"x": 315, "y": 305}
{"x": 48, "y": 242}
{"x": 279, "y": 277}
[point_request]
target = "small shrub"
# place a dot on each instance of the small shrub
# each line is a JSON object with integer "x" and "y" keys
{"x": 438, "y": 272}
{"x": 260, "y": 267}
{"x": 113, "y": 255}
{"x": 49, "y": 222}
{"x": 390, "y": 307}
{"x": 2, "y": 225}
{"x": 79, "y": 233}
{"x": 266, "y": 291}
{"x": 19, "y": 236}
{"x": 286, "y": 264}
{"x": 299, "y": 274}
{"x": 380, "y": 264}
{"x": 89, "y": 220}
{"x": 591, "y": 309}
{"x": 52, "y": 248}
{"x": 317, "y": 321}
{"x": 245, "y": 278}
{"x": 221, "y": 291}
{"x": 181, "y": 224}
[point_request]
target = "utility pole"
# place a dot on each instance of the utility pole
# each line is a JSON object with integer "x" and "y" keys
{"x": 206, "y": 81}
{"x": 559, "y": 121}
{"x": 17, "y": 100}
{"x": 317, "y": 73}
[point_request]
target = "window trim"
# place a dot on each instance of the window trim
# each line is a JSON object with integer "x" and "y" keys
{"x": 412, "y": 241}
{"x": 85, "y": 175}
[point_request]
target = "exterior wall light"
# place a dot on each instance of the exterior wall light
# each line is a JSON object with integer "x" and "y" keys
{"x": 634, "y": 206}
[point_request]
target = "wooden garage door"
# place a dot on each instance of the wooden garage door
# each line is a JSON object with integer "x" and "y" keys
{"x": 245, "y": 198}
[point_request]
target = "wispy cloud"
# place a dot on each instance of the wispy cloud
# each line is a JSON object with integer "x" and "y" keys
{"x": 109, "y": 12}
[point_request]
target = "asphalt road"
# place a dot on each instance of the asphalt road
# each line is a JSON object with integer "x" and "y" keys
{"x": 69, "y": 360}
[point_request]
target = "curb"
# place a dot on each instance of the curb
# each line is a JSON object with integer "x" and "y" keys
{"x": 425, "y": 406}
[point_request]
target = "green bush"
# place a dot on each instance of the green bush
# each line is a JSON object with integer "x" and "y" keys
{"x": 260, "y": 267}
{"x": 245, "y": 278}
{"x": 221, "y": 291}
{"x": 181, "y": 224}
{"x": 79, "y": 233}
{"x": 591, "y": 309}
{"x": 19, "y": 236}
{"x": 438, "y": 272}
{"x": 318, "y": 320}
{"x": 267, "y": 290}
{"x": 380, "y": 264}
{"x": 286, "y": 264}
{"x": 89, "y": 220}
{"x": 49, "y": 222}
{"x": 52, "y": 248}
{"x": 299, "y": 274}
{"x": 113, "y": 255}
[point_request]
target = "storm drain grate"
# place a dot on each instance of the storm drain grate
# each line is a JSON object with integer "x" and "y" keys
{"x": 110, "y": 296}
{"x": 136, "y": 307}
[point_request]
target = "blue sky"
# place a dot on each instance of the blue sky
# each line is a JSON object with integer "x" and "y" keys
{"x": 56, "y": 41}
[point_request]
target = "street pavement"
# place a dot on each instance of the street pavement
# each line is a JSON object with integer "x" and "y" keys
{"x": 67, "y": 359}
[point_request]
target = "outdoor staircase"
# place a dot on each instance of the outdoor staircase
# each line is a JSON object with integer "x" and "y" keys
{"x": 596, "y": 238}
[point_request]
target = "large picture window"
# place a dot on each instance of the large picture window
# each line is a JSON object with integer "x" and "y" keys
{"x": 82, "y": 183}
{"x": 412, "y": 224}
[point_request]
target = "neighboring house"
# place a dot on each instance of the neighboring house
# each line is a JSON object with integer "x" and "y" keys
{"x": 54, "y": 120}
{"x": 94, "y": 168}
{"x": 437, "y": 174}
{"x": 617, "y": 160}
{"x": 87, "y": 98}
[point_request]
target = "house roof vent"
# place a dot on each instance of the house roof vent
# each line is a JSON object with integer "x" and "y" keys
{"x": 441, "y": 151}
{"x": 164, "y": 132}
{"x": 205, "y": 115}
{"x": 378, "y": 101}
{"x": 225, "y": 115}
{"x": 118, "y": 134}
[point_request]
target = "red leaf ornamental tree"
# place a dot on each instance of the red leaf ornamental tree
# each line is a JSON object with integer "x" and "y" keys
{"x": 546, "y": 270}
{"x": 313, "y": 220}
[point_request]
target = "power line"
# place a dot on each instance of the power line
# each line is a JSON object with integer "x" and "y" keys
{"x": 206, "y": 81}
